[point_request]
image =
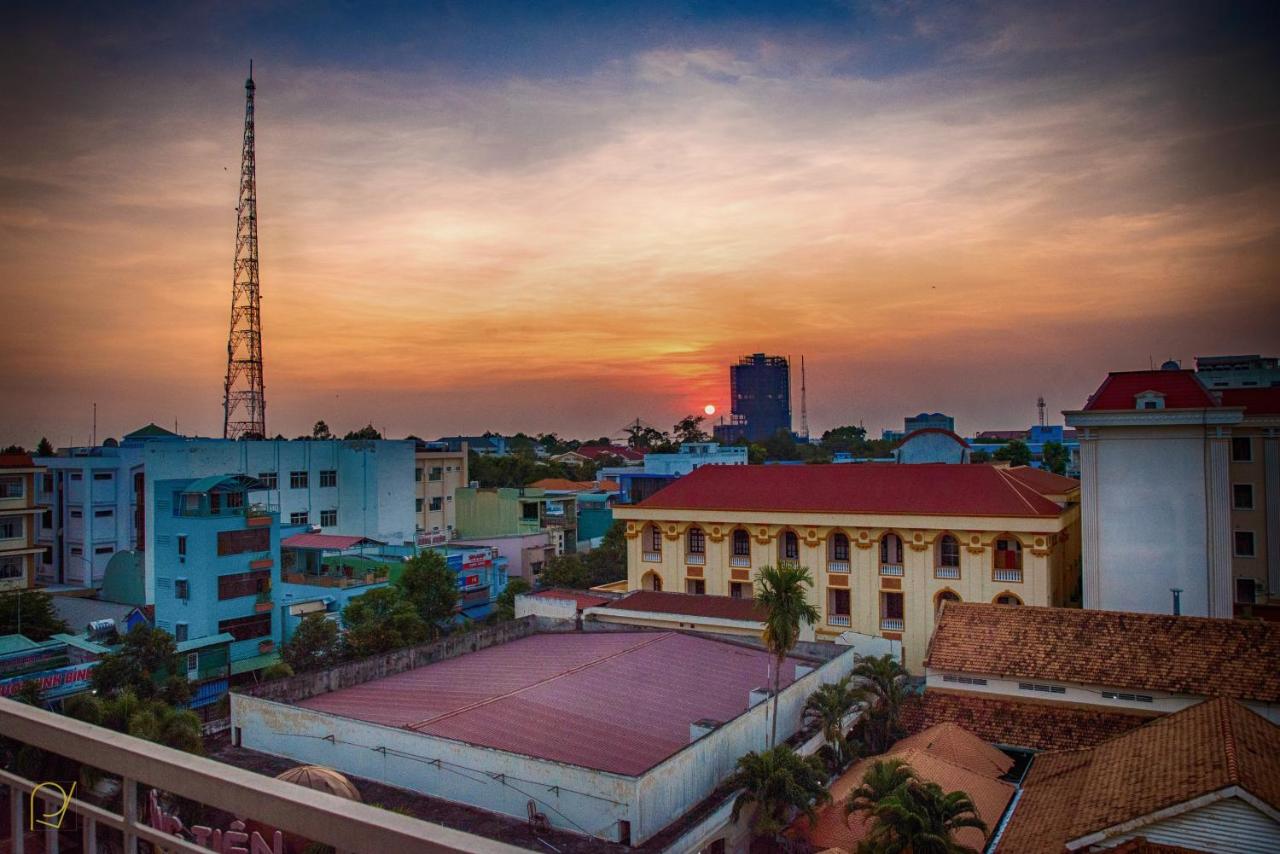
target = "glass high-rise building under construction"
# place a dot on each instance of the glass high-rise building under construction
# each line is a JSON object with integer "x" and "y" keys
{"x": 760, "y": 391}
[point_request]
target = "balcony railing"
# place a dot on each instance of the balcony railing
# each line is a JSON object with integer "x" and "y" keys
{"x": 652, "y": 557}
{"x": 339, "y": 581}
{"x": 946, "y": 572}
{"x": 740, "y": 560}
{"x": 837, "y": 566}
{"x": 318, "y": 816}
{"x": 838, "y": 620}
{"x": 1008, "y": 575}
{"x": 891, "y": 569}
{"x": 891, "y": 624}
{"x": 696, "y": 558}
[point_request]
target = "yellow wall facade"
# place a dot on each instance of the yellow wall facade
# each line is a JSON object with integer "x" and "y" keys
{"x": 1050, "y": 558}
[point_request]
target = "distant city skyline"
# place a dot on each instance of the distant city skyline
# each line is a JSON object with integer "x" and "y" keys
{"x": 490, "y": 216}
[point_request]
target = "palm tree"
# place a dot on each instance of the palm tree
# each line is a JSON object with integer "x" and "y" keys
{"x": 922, "y": 819}
{"x": 828, "y": 707}
{"x": 881, "y": 679}
{"x": 780, "y": 782}
{"x": 780, "y": 592}
{"x": 883, "y": 778}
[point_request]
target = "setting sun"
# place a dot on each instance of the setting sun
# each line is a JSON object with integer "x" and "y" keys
{"x": 710, "y": 409}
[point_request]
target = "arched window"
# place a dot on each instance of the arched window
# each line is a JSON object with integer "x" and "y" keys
{"x": 839, "y": 547}
{"x": 948, "y": 552}
{"x": 741, "y": 543}
{"x": 1007, "y": 599}
{"x": 944, "y": 596}
{"x": 652, "y": 543}
{"x": 789, "y": 546}
{"x": 891, "y": 554}
{"x": 1007, "y": 559}
{"x": 696, "y": 541}
{"x": 651, "y": 581}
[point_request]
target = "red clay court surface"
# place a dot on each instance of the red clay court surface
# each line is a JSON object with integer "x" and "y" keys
{"x": 620, "y": 703}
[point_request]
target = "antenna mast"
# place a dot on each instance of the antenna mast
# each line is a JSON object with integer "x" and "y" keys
{"x": 804, "y": 405}
{"x": 244, "y": 400}
{"x": 1040, "y": 406}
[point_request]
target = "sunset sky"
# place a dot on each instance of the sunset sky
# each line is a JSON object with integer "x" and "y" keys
{"x": 561, "y": 216}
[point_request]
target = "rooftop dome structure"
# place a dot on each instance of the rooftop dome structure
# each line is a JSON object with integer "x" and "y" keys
{"x": 322, "y": 780}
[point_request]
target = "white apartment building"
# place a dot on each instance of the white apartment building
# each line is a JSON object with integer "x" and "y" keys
{"x": 97, "y": 496}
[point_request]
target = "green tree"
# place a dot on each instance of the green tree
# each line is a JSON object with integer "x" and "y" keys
{"x": 147, "y": 666}
{"x": 382, "y": 620}
{"x": 608, "y": 561}
{"x": 1015, "y": 453}
{"x": 827, "y": 707}
{"x": 152, "y": 719}
{"x": 566, "y": 571}
{"x": 366, "y": 432}
{"x": 781, "y": 593}
{"x": 881, "y": 679}
{"x": 30, "y": 613}
{"x": 780, "y": 783}
{"x": 44, "y": 448}
{"x": 1054, "y": 455}
{"x": 505, "y": 607}
{"x": 689, "y": 429}
{"x": 756, "y": 454}
{"x": 849, "y": 440}
{"x": 920, "y": 818}
{"x": 881, "y": 779}
{"x": 279, "y": 670}
{"x": 315, "y": 645}
{"x": 980, "y": 457}
{"x": 431, "y": 587}
{"x": 13, "y": 449}
{"x": 781, "y": 446}
{"x": 321, "y": 431}
{"x": 642, "y": 437}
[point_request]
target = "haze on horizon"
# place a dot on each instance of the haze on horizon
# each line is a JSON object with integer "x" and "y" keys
{"x": 506, "y": 216}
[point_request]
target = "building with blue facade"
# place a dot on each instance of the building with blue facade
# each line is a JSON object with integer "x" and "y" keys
{"x": 638, "y": 483}
{"x": 216, "y": 559}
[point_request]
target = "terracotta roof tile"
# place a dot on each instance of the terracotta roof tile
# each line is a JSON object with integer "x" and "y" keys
{"x": 562, "y": 484}
{"x": 990, "y": 795}
{"x": 958, "y": 746}
{"x": 16, "y": 461}
{"x": 930, "y": 489}
{"x": 1160, "y": 652}
{"x": 690, "y": 604}
{"x": 1181, "y": 390}
{"x": 1031, "y": 724}
{"x": 1043, "y": 482}
{"x": 1171, "y": 760}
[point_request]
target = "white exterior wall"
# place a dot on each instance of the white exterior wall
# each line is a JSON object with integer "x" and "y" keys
{"x": 588, "y": 801}
{"x": 692, "y": 456}
{"x": 1226, "y": 826}
{"x": 1155, "y": 510}
{"x": 1162, "y": 702}
{"x": 89, "y": 532}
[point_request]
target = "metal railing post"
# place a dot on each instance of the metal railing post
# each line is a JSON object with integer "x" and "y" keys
{"x": 129, "y": 810}
{"x": 17, "y": 821}
{"x": 50, "y": 832}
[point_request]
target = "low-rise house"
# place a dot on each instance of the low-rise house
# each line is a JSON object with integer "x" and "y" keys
{"x": 597, "y": 453}
{"x": 523, "y": 554}
{"x": 944, "y": 754}
{"x": 885, "y": 544}
{"x": 503, "y": 511}
{"x": 439, "y": 471}
{"x": 1203, "y": 779}
{"x": 1056, "y": 677}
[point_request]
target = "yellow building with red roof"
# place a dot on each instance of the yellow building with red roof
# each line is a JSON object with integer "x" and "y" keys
{"x": 885, "y": 544}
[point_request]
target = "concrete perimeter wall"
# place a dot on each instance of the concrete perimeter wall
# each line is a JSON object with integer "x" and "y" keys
{"x": 576, "y": 799}
{"x": 671, "y": 788}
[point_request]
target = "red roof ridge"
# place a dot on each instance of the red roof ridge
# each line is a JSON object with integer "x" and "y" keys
{"x": 646, "y": 640}
{"x": 1017, "y": 487}
{"x": 1228, "y": 740}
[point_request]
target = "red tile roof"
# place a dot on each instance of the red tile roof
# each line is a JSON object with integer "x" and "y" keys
{"x": 328, "y": 542}
{"x": 1200, "y": 656}
{"x": 1198, "y": 751}
{"x": 617, "y": 702}
{"x": 930, "y": 489}
{"x": 1044, "y": 482}
{"x": 958, "y": 746}
{"x": 926, "y": 430}
{"x": 16, "y": 461}
{"x": 1256, "y": 401}
{"x": 584, "y": 600}
{"x": 591, "y": 452}
{"x": 835, "y": 829}
{"x": 691, "y": 605}
{"x": 1030, "y": 724}
{"x": 1181, "y": 390}
{"x": 561, "y": 484}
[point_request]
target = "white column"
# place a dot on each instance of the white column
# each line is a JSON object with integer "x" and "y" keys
{"x": 1271, "y": 479}
{"x": 1218, "y": 514}
{"x": 1089, "y": 520}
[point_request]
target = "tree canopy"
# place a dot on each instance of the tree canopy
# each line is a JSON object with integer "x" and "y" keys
{"x": 30, "y": 613}
{"x": 382, "y": 620}
{"x": 1015, "y": 453}
{"x": 780, "y": 591}
{"x": 315, "y": 645}
{"x": 431, "y": 587}
{"x": 146, "y": 666}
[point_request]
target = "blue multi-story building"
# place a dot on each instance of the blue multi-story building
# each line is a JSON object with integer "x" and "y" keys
{"x": 217, "y": 563}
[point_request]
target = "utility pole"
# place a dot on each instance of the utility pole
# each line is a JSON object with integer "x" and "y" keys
{"x": 244, "y": 399}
